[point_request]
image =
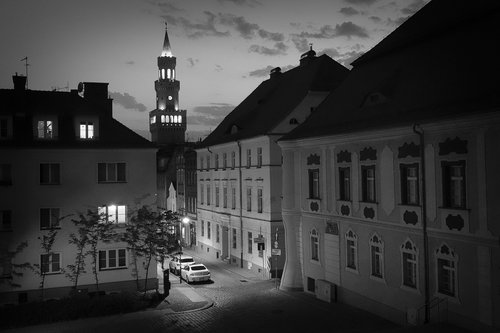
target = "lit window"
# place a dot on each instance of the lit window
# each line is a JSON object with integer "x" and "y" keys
{"x": 168, "y": 73}
{"x": 409, "y": 184}
{"x": 49, "y": 174}
{"x": 314, "y": 245}
{"x": 345, "y": 183}
{"x": 409, "y": 264}
{"x": 454, "y": 184}
{"x": 86, "y": 130}
{"x": 5, "y": 174}
{"x": 351, "y": 250}
{"x": 377, "y": 256}
{"x": 446, "y": 262}
{"x": 314, "y": 183}
{"x": 180, "y": 119}
{"x": 111, "y": 172}
{"x": 110, "y": 259}
{"x": 173, "y": 74}
{"x": 163, "y": 73}
{"x": 113, "y": 214}
{"x": 49, "y": 218}
{"x": 50, "y": 263}
{"x": 153, "y": 119}
{"x": 5, "y": 220}
{"x": 45, "y": 129}
{"x": 368, "y": 183}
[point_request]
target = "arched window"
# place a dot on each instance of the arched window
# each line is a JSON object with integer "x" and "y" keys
{"x": 409, "y": 264}
{"x": 153, "y": 119}
{"x": 168, "y": 73}
{"x": 377, "y": 256}
{"x": 446, "y": 262}
{"x": 314, "y": 245}
{"x": 175, "y": 119}
{"x": 351, "y": 250}
{"x": 171, "y": 118}
{"x": 163, "y": 73}
{"x": 173, "y": 74}
{"x": 162, "y": 118}
{"x": 180, "y": 119}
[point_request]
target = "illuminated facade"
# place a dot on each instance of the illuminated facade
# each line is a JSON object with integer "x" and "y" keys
{"x": 61, "y": 154}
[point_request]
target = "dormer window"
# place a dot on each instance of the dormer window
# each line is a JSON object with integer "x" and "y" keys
{"x": 86, "y": 130}
{"x": 45, "y": 129}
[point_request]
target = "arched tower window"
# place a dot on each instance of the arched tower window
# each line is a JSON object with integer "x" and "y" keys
{"x": 163, "y": 73}
{"x": 173, "y": 74}
{"x": 446, "y": 262}
{"x": 377, "y": 256}
{"x": 409, "y": 264}
{"x": 168, "y": 73}
{"x": 180, "y": 119}
{"x": 351, "y": 250}
{"x": 162, "y": 118}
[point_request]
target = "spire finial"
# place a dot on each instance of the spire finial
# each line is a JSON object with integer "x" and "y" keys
{"x": 165, "y": 25}
{"x": 310, "y": 46}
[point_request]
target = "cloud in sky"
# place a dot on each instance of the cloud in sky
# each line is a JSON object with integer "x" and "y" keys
{"x": 278, "y": 49}
{"x": 209, "y": 115}
{"x": 250, "y": 3}
{"x": 130, "y": 62}
{"x": 413, "y": 7}
{"x": 197, "y": 30}
{"x": 348, "y": 11}
{"x": 347, "y": 29}
{"x": 248, "y": 30}
{"x": 192, "y": 62}
{"x": 361, "y": 2}
{"x": 375, "y": 19}
{"x": 263, "y": 72}
{"x": 127, "y": 101}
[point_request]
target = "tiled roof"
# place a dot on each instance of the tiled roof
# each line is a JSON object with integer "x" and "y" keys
{"x": 436, "y": 65}
{"x": 22, "y": 105}
{"x": 275, "y": 98}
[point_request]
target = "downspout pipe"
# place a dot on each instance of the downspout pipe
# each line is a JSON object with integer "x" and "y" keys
{"x": 417, "y": 129}
{"x": 241, "y": 203}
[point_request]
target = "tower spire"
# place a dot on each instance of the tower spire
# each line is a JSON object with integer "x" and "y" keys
{"x": 167, "y": 51}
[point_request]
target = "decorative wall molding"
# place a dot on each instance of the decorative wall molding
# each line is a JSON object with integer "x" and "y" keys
{"x": 313, "y": 159}
{"x": 409, "y": 149}
{"x": 457, "y": 146}
{"x": 344, "y": 156}
{"x": 368, "y": 153}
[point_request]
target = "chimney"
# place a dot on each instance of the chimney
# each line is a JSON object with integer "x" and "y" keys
{"x": 307, "y": 57}
{"x": 19, "y": 82}
{"x": 94, "y": 90}
{"x": 275, "y": 72}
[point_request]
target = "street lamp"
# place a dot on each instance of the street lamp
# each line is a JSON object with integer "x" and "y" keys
{"x": 184, "y": 220}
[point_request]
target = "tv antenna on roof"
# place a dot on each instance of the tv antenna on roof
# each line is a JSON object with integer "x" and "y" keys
{"x": 25, "y": 59}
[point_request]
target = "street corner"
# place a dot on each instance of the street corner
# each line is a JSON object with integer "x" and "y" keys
{"x": 183, "y": 298}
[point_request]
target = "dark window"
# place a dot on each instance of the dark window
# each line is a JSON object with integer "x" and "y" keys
{"x": 5, "y": 174}
{"x": 50, "y": 263}
{"x": 259, "y": 157}
{"x": 49, "y": 173}
{"x": 409, "y": 184}
{"x": 454, "y": 184}
{"x": 3, "y": 128}
{"x": 217, "y": 234}
{"x": 111, "y": 172}
{"x": 209, "y": 230}
{"x": 250, "y": 242}
{"x": 259, "y": 200}
{"x": 311, "y": 285}
{"x": 234, "y": 239}
{"x": 5, "y": 220}
{"x": 314, "y": 183}
{"x": 368, "y": 183}
{"x": 345, "y": 183}
{"x": 49, "y": 218}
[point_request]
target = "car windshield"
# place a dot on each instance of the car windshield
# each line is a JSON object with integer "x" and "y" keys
{"x": 197, "y": 268}
{"x": 187, "y": 260}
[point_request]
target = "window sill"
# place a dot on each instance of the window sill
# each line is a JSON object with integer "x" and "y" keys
{"x": 112, "y": 182}
{"x": 51, "y": 228}
{"x": 378, "y": 279}
{"x": 410, "y": 289}
{"x": 351, "y": 270}
{"x": 52, "y": 273}
{"x": 452, "y": 299}
{"x": 315, "y": 262}
{"x": 112, "y": 269}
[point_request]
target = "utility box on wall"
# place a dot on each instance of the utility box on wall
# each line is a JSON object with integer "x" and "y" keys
{"x": 326, "y": 291}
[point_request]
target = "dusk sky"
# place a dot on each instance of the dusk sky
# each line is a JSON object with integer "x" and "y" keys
{"x": 224, "y": 48}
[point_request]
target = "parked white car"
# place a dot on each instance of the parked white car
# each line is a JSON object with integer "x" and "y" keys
{"x": 195, "y": 273}
{"x": 179, "y": 260}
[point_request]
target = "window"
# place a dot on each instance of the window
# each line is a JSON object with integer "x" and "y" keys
{"x": 110, "y": 259}
{"x": 233, "y": 159}
{"x": 446, "y": 271}
{"x": 3, "y": 128}
{"x": 49, "y": 218}
{"x": 250, "y": 243}
{"x": 259, "y": 157}
{"x": 351, "y": 250}
{"x": 234, "y": 239}
{"x": 314, "y": 183}
{"x": 113, "y": 214}
{"x": 368, "y": 183}
{"x": 208, "y": 162}
{"x": 49, "y": 173}
{"x": 224, "y": 196}
{"x": 208, "y": 195}
{"x": 249, "y": 158}
{"x": 345, "y": 183}
{"x": 86, "y": 130}
{"x": 216, "y": 161}
{"x": 202, "y": 193}
{"x": 224, "y": 161}
{"x": 314, "y": 245}
{"x": 249, "y": 199}
{"x": 409, "y": 264}
{"x": 454, "y": 184}
{"x": 217, "y": 233}
{"x": 259, "y": 200}
{"x": 217, "y": 195}
{"x": 153, "y": 119}
{"x": 45, "y": 129}
{"x": 377, "y": 256}
{"x": 409, "y": 184}
{"x": 209, "y": 230}
{"x": 5, "y": 174}
{"x": 111, "y": 172}
{"x": 50, "y": 263}
{"x": 5, "y": 265}
{"x": 5, "y": 220}
{"x": 202, "y": 228}
{"x": 233, "y": 197}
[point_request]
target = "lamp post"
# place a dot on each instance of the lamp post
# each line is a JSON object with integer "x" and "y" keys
{"x": 184, "y": 220}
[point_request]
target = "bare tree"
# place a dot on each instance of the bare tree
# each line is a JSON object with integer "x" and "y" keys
{"x": 15, "y": 269}
{"x": 81, "y": 241}
{"x": 46, "y": 243}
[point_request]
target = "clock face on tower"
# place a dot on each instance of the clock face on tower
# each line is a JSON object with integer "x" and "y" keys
{"x": 169, "y": 98}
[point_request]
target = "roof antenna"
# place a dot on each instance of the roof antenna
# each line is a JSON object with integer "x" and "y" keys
{"x": 310, "y": 46}
{"x": 25, "y": 59}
